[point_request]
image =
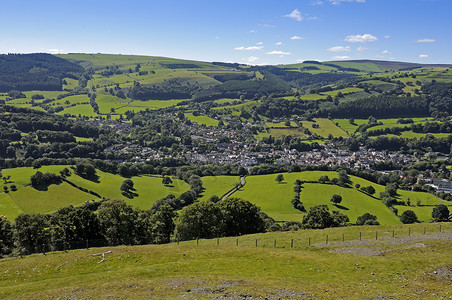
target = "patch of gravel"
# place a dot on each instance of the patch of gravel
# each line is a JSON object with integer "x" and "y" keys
{"x": 445, "y": 235}
{"x": 444, "y": 272}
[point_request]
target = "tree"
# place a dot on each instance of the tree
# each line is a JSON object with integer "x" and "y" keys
{"x": 367, "y": 219}
{"x": 336, "y": 199}
{"x": 408, "y": 217}
{"x": 214, "y": 199}
{"x": 391, "y": 189}
{"x": 162, "y": 224}
{"x": 31, "y": 233}
{"x": 368, "y": 189}
{"x": 127, "y": 185}
{"x": 117, "y": 222}
{"x": 200, "y": 220}
{"x": 73, "y": 224}
{"x": 344, "y": 179}
{"x": 440, "y": 213}
{"x": 319, "y": 217}
{"x": 279, "y": 178}
{"x": 241, "y": 217}
{"x": 6, "y": 236}
{"x": 166, "y": 180}
{"x": 324, "y": 178}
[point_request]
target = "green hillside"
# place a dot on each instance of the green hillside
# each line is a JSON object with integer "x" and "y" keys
{"x": 412, "y": 268}
{"x": 274, "y": 198}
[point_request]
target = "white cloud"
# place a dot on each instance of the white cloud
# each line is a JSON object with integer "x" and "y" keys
{"x": 426, "y": 41}
{"x": 316, "y": 2}
{"x": 278, "y": 43}
{"x": 55, "y": 51}
{"x": 260, "y": 43}
{"x": 385, "y": 52}
{"x": 253, "y": 31}
{"x": 339, "y": 49}
{"x": 338, "y": 2}
{"x": 361, "y": 49}
{"x": 424, "y": 56}
{"x": 295, "y": 14}
{"x": 296, "y": 37}
{"x": 252, "y": 59}
{"x": 278, "y": 53}
{"x": 250, "y": 48}
{"x": 341, "y": 57}
{"x": 387, "y": 36}
{"x": 361, "y": 38}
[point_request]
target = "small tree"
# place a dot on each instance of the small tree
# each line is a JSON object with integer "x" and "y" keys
{"x": 336, "y": 199}
{"x": 279, "y": 178}
{"x": 440, "y": 213}
{"x": 367, "y": 219}
{"x": 166, "y": 180}
{"x": 408, "y": 217}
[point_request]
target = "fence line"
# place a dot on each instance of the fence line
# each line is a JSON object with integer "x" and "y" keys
{"x": 290, "y": 242}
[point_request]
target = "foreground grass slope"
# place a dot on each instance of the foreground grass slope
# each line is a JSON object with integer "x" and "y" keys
{"x": 405, "y": 270}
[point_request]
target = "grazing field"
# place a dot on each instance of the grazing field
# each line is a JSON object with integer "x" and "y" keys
{"x": 27, "y": 199}
{"x": 202, "y": 120}
{"x": 217, "y": 185}
{"x": 415, "y": 267}
{"x": 326, "y": 127}
{"x": 148, "y": 188}
{"x": 81, "y": 109}
{"x": 279, "y": 132}
{"x": 274, "y": 198}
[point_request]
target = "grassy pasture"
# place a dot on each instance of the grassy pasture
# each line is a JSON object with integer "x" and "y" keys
{"x": 217, "y": 185}
{"x": 148, "y": 188}
{"x": 30, "y": 200}
{"x": 207, "y": 270}
{"x": 81, "y": 109}
{"x": 274, "y": 198}
{"x": 202, "y": 120}
{"x": 326, "y": 127}
{"x": 279, "y": 132}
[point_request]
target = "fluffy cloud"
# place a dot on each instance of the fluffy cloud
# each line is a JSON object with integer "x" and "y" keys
{"x": 296, "y": 37}
{"x": 278, "y": 53}
{"x": 250, "y": 48}
{"x": 385, "y": 52}
{"x": 316, "y": 2}
{"x": 426, "y": 41}
{"x": 295, "y": 14}
{"x": 278, "y": 43}
{"x": 339, "y": 49}
{"x": 260, "y": 43}
{"x": 361, "y": 49}
{"x": 252, "y": 59}
{"x": 424, "y": 56}
{"x": 341, "y": 57}
{"x": 361, "y": 38}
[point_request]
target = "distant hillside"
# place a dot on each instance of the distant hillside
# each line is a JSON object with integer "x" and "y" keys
{"x": 38, "y": 71}
{"x": 384, "y": 65}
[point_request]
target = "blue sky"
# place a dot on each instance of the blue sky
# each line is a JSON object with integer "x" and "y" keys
{"x": 246, "y": 31}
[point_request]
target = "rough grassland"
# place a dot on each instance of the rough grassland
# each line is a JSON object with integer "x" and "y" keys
{"x": 201, "y": 120}
{"x": 326, "y": 127}
{"x": 206, "y": 271}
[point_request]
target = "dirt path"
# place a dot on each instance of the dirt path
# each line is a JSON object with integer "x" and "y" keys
{"x": 235, "y": 189}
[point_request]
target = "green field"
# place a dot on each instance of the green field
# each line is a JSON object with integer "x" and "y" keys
{"x": 30, "y": 200}
{"x": 274, "y": 199}
{"x": 147, "y": 187}
{"x": 326, "y": 127}
{"x": 207, "y": 271}
{"x": 217, "y": 185}
{"x": 202, "y": 120}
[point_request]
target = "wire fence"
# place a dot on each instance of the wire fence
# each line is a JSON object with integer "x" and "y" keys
{"x": 294, "y": 239}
